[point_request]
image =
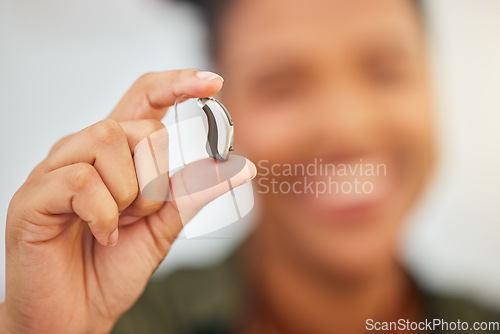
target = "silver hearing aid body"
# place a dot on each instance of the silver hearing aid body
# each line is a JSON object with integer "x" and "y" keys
{"x": 220, "y": 128}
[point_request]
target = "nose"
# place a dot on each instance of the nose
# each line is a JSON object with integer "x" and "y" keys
{"x": 345, "y": 119}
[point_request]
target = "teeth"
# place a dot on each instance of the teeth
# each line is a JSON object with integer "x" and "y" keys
{"x": 357, "y": 185}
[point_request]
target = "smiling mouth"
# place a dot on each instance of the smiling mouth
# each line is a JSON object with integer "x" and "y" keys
{"x": 349, "y": 189}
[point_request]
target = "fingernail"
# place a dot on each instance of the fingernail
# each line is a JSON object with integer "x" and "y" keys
{"x": 204, "y": 75}
{"x": 253, "y": 170}
{"x": 113, "y": 238}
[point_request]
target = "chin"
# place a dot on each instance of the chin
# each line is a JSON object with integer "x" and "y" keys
{"x": 355, "y": 238}
{"x": 358, "y": 258}
{"x": 357, "y": 247}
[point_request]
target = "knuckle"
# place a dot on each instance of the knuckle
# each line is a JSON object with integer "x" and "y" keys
{"x": 16, "y": 204}
{"x": 172, "y": 74}
{"x": 185, "y": 73}
{"x": 81, "y": 176}
{"x": 127, "y": 198}
{"x": 146, "y": 77}
{"x": 150, "y": 206}
{"x": 108, "y": 132}
{"x": 153, "y": 125}
{"x": 60, "y": 143}
{"x": 188, "y": 71}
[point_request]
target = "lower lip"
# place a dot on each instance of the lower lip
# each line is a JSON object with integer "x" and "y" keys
{"x": 361, "y": 210}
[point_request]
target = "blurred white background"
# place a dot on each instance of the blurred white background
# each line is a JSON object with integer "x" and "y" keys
{"x": 65, "y": 63}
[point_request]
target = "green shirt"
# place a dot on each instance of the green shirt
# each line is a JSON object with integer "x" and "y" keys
{"x": 210, "y": 300}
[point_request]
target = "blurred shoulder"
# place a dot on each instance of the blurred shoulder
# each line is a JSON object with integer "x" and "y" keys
{"x": 453, "y": 308}
{"x": 194, "y": 300}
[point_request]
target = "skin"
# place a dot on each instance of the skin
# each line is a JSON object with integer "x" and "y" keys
{"x": 60, "y": 223}
{"x": 337, "y": 80}
{"x": 342, "y": 81}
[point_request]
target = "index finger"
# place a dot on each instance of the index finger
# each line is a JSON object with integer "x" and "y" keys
{"x": 151, "y": 95}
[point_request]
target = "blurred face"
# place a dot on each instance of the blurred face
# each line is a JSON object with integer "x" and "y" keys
{"x": 342, "y": 86}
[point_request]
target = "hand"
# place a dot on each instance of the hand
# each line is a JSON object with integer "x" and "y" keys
{"x": 61, "y": 274}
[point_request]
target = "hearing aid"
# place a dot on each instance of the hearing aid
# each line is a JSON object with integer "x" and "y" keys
{"x": 219, "y": 137}
{"x": 220, "y": 128}
{"x": 151, "y": 155}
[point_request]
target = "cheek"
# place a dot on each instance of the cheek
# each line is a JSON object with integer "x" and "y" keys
{"x": 411, "y": 126}
{"x": 410, "y": 120}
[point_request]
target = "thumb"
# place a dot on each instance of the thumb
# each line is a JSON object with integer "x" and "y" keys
{"x": 204, "y": 180}
{"x": 193, "y": 187}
